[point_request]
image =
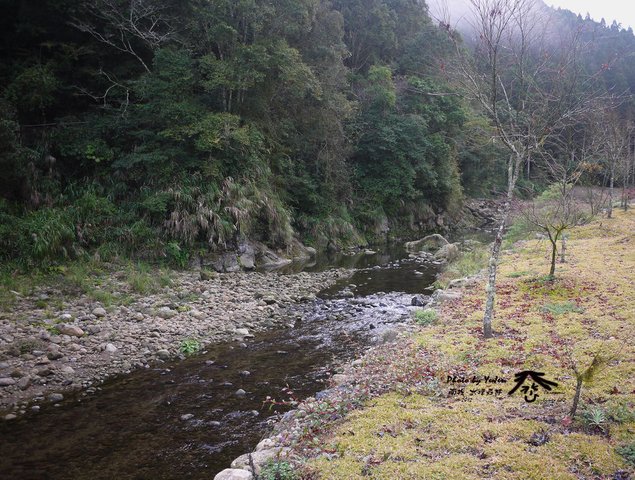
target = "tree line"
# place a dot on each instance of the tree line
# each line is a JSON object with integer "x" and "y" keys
{"x": 152, "y": 128}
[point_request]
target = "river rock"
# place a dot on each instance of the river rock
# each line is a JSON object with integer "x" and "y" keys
{"x": 431, "y": 243}
{"x": 55, "y": 397}
{"x": 447, "y": 253}
{"x": 234, "y": 474}
{"x": 244, "y": 332}
{"x": 110, "y": 348}
{"x": 265, "y": 444}
{"x": 225, "y": 262}
{"x": 246, "y": 256}
{"x": 259, "y": 458}
{"x": 166, "y": 313}
{"x": 420, "y": 301}
{"x": 70, "y": 330}
{"x": 187, "y": 416}
{"x": 6, "y": 382}
{"x": 240, "y": 393}
{"x": 99, "y": 312}
{"x": 163, "y": 354}
{"x": 24, "y": 383}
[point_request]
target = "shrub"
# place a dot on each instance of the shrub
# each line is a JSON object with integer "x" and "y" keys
{"x": 628, "y": 452}
{"x": 425, "y": 317}
{"x": 189, "y": 346}
{"x": 274, "y": 470}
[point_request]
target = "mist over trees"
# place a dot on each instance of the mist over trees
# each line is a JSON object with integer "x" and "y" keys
{"x": 136, "y": 126}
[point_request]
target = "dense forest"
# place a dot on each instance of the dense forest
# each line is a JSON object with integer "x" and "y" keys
{"x": 135, "y": 127}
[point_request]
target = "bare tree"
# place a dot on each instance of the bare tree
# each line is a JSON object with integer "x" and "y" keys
{"x": 128, "y": 25}
{"x": 553, "y": 218}
{"x": 614, "y": 136}
{"x": 528, "y": 87}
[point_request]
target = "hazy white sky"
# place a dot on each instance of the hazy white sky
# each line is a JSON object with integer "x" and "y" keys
{"x": 621, "y": 10}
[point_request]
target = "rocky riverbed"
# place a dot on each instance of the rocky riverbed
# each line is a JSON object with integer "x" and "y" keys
{"x": 47, "y": 351}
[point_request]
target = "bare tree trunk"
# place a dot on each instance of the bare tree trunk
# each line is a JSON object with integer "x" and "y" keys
{"x": 576, "y": 397}
{"x": 491, "y": 273}
{"x": 554, "y": 250}
{"x": 611, "y": 183}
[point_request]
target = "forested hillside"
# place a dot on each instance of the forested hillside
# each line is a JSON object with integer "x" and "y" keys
{"x": 154, "y": 128}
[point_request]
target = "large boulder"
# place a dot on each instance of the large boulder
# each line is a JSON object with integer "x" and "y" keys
{"x": 298, "y": 251}
{"x": 447, "y": 253}
{"x": 267, "y": 258}
{"x": 431, "y": 243}
{"x": 234, "y": 474}
{"x": 247, "y": 255}
{"x": 225, "y": 262}
{"x": 259, "y": 459}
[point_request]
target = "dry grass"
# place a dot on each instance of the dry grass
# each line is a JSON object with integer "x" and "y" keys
{"x": 409, "y": 434}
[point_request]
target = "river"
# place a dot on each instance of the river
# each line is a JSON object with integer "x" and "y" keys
{"x": 185, "y": 419}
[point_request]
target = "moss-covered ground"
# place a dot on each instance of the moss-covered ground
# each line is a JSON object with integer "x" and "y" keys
{"x": 425, "y": 426}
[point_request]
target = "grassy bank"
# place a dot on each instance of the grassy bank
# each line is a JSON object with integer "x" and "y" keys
{"x": 422, "y": 426}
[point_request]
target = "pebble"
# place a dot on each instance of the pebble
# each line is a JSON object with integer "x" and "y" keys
{"x": 187, "y": 416}
{"x": 70, "y": 330}
{"x": 110, "y": 348}
{"x": 99, "y": 312}
{"x": 55, "y": 397}
{"x": 240, "y": 393}
{"x": 163, "y": 354}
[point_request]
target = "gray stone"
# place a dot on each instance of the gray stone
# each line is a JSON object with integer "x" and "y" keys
{"x": 10, "y": 416}
{"x": 163, "y": 354}
{"x": 259, "y": 458}
{"x": 447, "y": 253}
{"x": 67, "y": 370}
{"x": 247, "y": 256}
{"x": 55, "y": 397}
{"x": 240, "y": 393}
{"x": 187, "y": 416}
{"x": 54, "y": 355}
{"x": 420, "y": 301}
{"x": 70, "y": 330}
{"x": 110, "y": 348}
{"x": 234, "y": 474}
{"x": 431, "y": 243}
{"x": 166, "y": 313}
{"x": 66, "y": 317}
{"x": 99, "y": 312}
{"x": 6, "y": 382}
{"x": 24, "y": 383}
{"x": 265, "y": 444}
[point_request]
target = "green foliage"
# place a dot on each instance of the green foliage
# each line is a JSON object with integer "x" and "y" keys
{"x": 559, "y": 308}
{"x": 595, "y": 417}
{"x": 628, "y": 452}
{"x": 425, "y": 317}
{"x": 176, "y": 255}
{"x": 277, "y": 470}
{"x": 189, "y": 346}
{"x": 261, "y": 120}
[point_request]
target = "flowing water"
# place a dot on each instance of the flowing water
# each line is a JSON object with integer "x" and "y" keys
{"x": 184, "y": 419}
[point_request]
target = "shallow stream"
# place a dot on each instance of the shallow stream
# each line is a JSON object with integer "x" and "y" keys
{"x": 184, "y": 419}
